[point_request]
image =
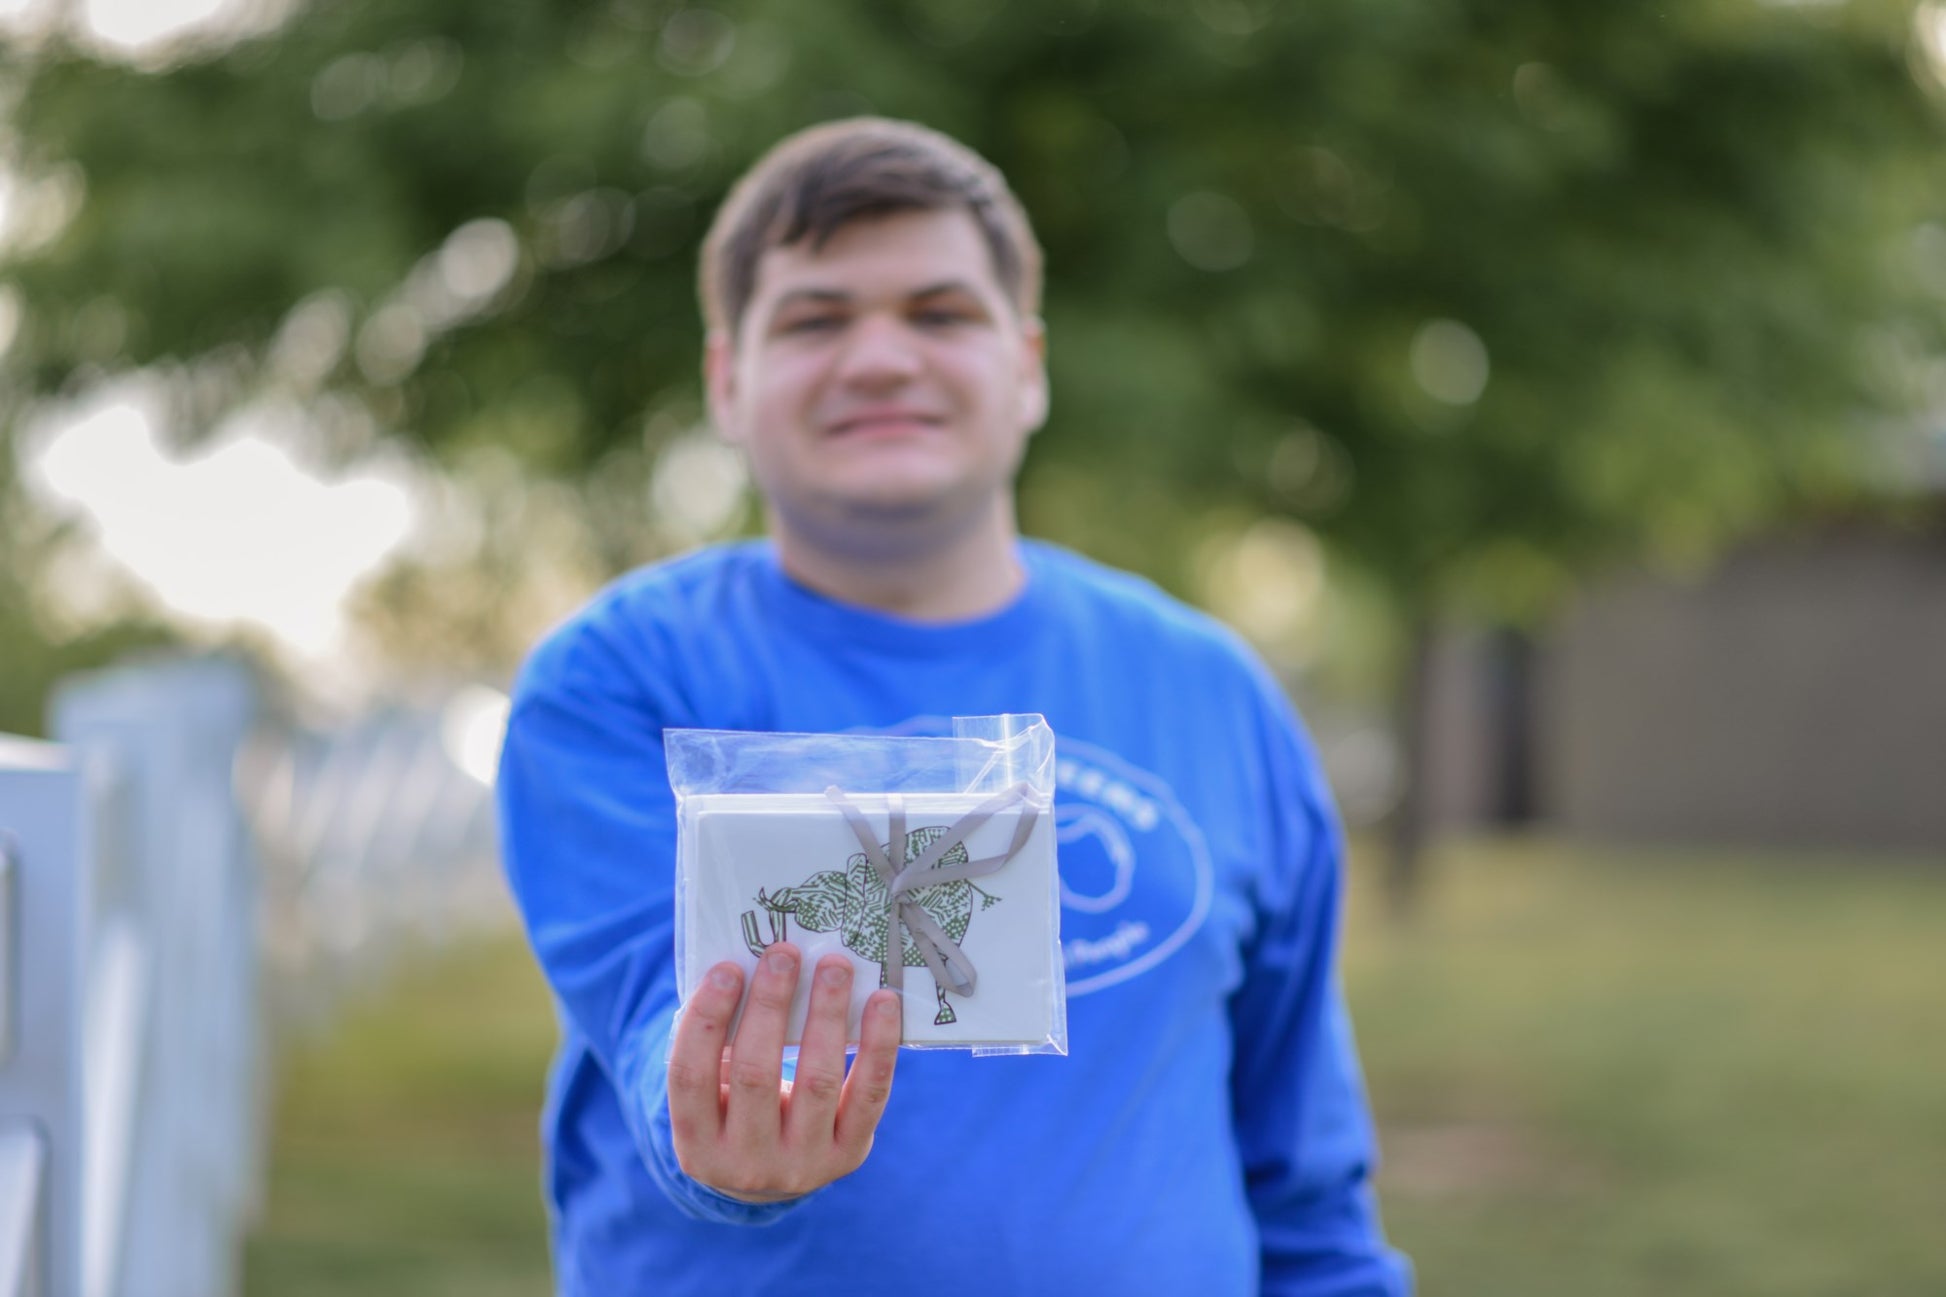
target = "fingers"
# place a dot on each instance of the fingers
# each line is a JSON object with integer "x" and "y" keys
{"x": 821, "y": 1055}
{"x": 695, "y": 1060}
{"x": 754, "y": 1120}
{"x": 869, "y": 1086}
{"x": 737, "y": 1128}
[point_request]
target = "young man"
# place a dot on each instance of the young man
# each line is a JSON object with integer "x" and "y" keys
{"x": 871, "y": 290}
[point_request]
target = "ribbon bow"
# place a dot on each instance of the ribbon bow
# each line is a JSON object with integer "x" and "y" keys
{"x": 949, "y": 965}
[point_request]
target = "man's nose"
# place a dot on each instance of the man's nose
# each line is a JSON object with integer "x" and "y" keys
{"x": 880, "y": 352}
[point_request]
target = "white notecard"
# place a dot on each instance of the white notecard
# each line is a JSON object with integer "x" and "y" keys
{"x": 765, "y": 867}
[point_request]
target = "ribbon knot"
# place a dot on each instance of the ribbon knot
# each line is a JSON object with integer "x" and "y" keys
{"x": 950, "y": 967}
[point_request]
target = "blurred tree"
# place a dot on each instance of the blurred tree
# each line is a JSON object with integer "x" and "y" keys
{"x": 1480, "y": 293}
{"x": 37, "y": 646}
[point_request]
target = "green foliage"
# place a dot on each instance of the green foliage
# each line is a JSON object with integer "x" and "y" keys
{"x": 1282, "y": 240}
{"x": 32, "y": 662}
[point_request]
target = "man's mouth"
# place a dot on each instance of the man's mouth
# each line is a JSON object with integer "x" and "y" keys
{"x": 883, "y": 423}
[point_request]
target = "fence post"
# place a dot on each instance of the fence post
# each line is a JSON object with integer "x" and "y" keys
{"x": 183, "y": 889}
{"x": 44, "y": 838}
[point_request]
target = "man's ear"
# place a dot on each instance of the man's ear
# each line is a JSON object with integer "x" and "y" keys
{"x": 1033, "y": 381}
{"x": 719, "y": 381}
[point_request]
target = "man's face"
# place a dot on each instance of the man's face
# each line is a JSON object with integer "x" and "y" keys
{"x": 884, "y": 376}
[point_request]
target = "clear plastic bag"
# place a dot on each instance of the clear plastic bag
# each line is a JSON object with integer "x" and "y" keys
{"x": 838, "y": 841}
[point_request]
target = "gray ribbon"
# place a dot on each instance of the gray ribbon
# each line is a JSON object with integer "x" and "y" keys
{"x": 949, "y": 965}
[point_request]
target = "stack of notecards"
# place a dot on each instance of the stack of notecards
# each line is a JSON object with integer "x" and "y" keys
{"x": 756, "y": 868}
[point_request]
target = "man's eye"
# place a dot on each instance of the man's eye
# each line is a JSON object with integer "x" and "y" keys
{"x": 812, "y": 324}
{"x": 940, "y": 317}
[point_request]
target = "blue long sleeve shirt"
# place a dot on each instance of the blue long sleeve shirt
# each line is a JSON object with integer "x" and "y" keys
{"x": 1206, "y": 1133}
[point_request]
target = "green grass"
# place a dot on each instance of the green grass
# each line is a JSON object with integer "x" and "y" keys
{"x": 404, "y": 1149}
{"x": 1662, "y": 1074}
{"x": 1595, "y": 1073}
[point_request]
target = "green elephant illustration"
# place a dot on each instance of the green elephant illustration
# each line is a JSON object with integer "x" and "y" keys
{"x": 854, "y": 901}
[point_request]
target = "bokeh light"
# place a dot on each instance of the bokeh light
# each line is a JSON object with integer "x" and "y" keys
{"x": 235, "y": 532}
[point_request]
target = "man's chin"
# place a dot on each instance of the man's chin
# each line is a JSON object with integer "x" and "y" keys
{"x": 895, "y": 507}
{"x": 899, "y": 508}
{"x": 897, "y": 496}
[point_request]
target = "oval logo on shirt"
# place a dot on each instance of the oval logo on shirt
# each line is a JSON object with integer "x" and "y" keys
{"x": 1136, "y": 877}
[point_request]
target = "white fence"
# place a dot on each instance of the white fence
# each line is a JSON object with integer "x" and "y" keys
{"x": 43, "y": 827}
{"x": 149, "y": 862}
{"x": 373, "y": 839}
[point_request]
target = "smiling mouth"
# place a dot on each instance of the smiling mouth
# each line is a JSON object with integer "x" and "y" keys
{"x": 890, "y": 423}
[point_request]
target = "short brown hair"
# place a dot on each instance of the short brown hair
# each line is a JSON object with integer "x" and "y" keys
{"x": 821, "y": 179}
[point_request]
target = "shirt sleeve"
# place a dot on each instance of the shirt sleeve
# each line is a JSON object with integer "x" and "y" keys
{"x": 587, "y": 830}
{"x": 1303, "y": 1127}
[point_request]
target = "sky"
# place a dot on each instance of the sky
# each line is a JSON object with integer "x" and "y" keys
{"x": 237, "y": 530}
{"x": 135, "y": 28}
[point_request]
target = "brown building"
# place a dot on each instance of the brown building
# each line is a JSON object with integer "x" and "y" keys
{"x": 1794, "y": 696}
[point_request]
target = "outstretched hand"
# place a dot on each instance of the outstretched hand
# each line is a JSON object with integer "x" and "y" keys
{"x": 743, "y": 1130}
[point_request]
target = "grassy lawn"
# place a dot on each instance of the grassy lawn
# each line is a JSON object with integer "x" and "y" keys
{"x": 1662, "y": 1074}
{"x": 1594, "y": 1074}
{"x": 404, "y": 1144}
